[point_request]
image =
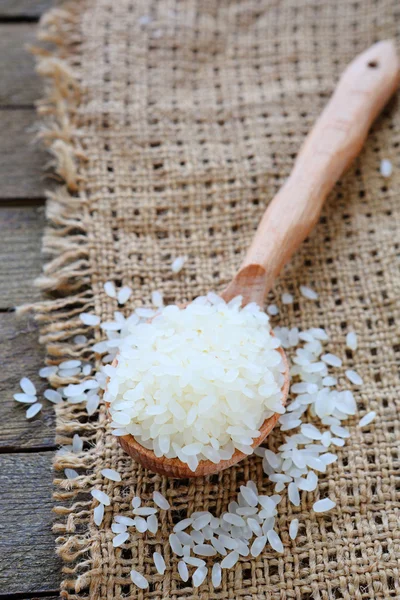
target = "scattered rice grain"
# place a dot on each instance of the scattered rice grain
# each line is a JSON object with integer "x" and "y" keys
{"x": 71, "y": 473}
{"x": 386, "y": 168}
{"x": 111, "y": 474}
{"x": 323, "y": 505}
{"x": 27, "y": 386}
{"x": 110, "y": 290}
{"x": 33, "y": 410}
{"x": 101, "y": 497}
{"x": 89, "y": 319}
{"x": 159, "y": 563}
{"x": 308, "y": 293}
{"x": 124, "y": 294}
{"x": 177, "y": 264}
{"x": 351, "y": 340}
{"x": 293, "y": 528}
{"x": 161, "y": 501}
{"x": 98, "y": 514}
{"x": 199, "y": 576}
{"x": 183, "y": 570}
{"x": 287, "y": 298}
{"x": 354, "y": 377}
{"x": 367, "y": 419}
{"x": 138, "y": 579}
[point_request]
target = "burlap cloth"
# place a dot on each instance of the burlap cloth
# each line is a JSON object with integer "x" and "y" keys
{"x": 173, "y": 123}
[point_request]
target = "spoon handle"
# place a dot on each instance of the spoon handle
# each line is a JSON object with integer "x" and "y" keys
{"x": 335, "y": 140}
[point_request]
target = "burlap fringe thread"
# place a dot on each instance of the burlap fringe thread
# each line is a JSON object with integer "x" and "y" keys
{"x": 67, "y": 273}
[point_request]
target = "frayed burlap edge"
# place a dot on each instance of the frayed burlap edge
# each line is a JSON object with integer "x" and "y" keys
{"x": 66, "y": 277}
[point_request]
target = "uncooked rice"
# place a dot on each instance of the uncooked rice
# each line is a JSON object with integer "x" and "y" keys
{"x": 293, "y": 528}
{"x": 287, "y": 298}
{"x": 111, "y": 474}
{"x": 354, "y": 377}
{"x": 27, "y": 386}
{"x": 178, "y": 263}
{"x": 159, "y": 563}
{"x": 110, "y": 290}
{"x": 98, "y": 514}
{"x": 88, "y": 319}
{"x": 101, "y": 497}
{"x": 210, "y": 356}
{"x": 138, "y": 579}
{"x": 71, "y": 473}
{"x": 308, "y": 293}
{"x": 351, "y": 340}
{"x": 33, "y": 410}
{"x": 25, "y": 398}
{"x": 160, "y": 500}
{"x": 124, "y": 294}
{"x": 367, "y": 419}
{"x": 386, "y": 168}
{"x": 323, "y": 505}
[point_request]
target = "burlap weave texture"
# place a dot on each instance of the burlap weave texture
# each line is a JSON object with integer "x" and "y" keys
{"x": 173, "y": 123}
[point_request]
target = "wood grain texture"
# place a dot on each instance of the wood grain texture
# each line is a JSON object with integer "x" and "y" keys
{"x": 28, "y": 561}
{"x": 20, "y": 257}
{"x": 21, "y": 354}
{"x": 31, "y": 9}
{"x": 19, "y": 84}
{"x": 21, "y": 161}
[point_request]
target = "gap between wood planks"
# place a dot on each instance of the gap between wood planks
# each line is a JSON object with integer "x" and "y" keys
{"x": 32, "y": 450}
{"x": 17, "y": 11}
{"x": 50, "y": 594}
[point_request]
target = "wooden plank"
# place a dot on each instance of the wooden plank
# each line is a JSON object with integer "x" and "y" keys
{"x": 21, "y": 161}
{"x": 21, "y": 355}
{"x": 19, "y": 84}
{"x": 20, "y": 258}
{"x": 29, "y": 563}
{"x": 30, "y": 9}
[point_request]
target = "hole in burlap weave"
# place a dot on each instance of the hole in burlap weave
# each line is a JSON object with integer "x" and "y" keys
{"x": 172, "y": 124}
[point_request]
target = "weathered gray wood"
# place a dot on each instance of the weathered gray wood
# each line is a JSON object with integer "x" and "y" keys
{"x": 24, "y": 8}
{"x": 27, "y": 557}
{"x": 19, "y": 84}
{"x": 21, "y": 161}
{"x": 20, "y": 258}
{"x": 21, "y": 354}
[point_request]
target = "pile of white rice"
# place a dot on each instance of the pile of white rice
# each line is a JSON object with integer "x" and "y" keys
{"x": 197, "y": 383}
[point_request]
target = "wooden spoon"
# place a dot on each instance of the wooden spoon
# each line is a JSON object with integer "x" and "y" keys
{"x": 336, "y": 139}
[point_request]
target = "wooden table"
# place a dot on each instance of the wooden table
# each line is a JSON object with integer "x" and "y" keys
{"x": 29, "y": 566}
